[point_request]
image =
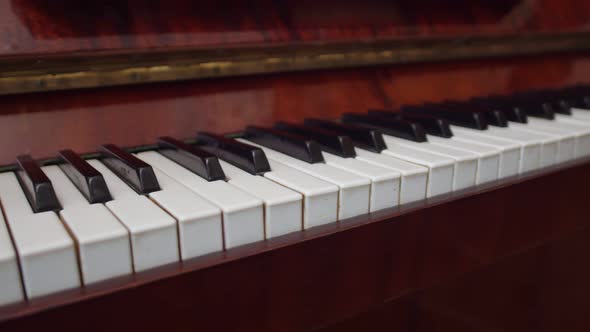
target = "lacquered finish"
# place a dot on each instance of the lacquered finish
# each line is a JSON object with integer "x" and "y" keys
{"x": 191, "y": 157}
{"x": 86, "y": 178}
{"x": 135, "y": 172}
{"x": 48, "y": 27}
{"x": 441, "y": 263}
{"x": 249, "y": 158}
{"x": 542, "y": 289}
{"x": 36, "y": 185}
{"x": 84, "y": 119}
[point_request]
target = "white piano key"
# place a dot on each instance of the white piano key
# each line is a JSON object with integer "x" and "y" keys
{"x": 440, "y": 169}
{"x": 414, "y": 178}
{"x": 566, "y": 149}
{"x": 11, "y": 289}
{"x": 153, "y": 233}
{"x": 578, "y": 116}
{"x": 580, "y": 127}
{"x": 13, "y": 199}
{"x": 530, "y": 144}
{"x": 102, "y": 242}
{"x": 199, "y": 221}
{"x": 354, "y": 189}
{"x": 488, "y": 158}
{"x": 242, "y": 213}
{"x": 283, "y": 207}
{"x": 465, "y": 163}
{"x": 580, "y": 113}
{"x": 320, "y": 198}
{"x": 583, "y": 121}
{"x": 67, "y": 194}
{"x": 385, "y": 182}
{"x": 577, "y": 120}
{"x": 509, "y": 157}
{"x": 154, "y": 241}
{"x": 549, "y": 144}
{"x": 45, "y": 250}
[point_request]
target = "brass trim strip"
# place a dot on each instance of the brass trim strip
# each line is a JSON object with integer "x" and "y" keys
{"x": 73, "y": 71}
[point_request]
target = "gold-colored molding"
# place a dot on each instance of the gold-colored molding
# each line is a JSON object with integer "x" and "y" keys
{"x": 73, "y": 71}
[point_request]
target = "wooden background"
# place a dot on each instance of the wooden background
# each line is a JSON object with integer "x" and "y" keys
{"x": 511, "y": 259}
{"x": 42, "y": 27}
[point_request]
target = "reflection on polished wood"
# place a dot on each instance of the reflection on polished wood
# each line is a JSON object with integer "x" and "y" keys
{"x": 65, "y": 44}
{"x": 42, "y": 124}
{"x": 542, "y": 289}
{"x": 82, "y": 71}
{"x": 506, "y": 256}
{"x": 56, "y": 26}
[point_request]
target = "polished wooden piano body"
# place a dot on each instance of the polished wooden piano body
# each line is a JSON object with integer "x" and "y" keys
{"x": 508, "y": 256}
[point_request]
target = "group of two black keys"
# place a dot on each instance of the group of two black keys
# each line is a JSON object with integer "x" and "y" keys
{"x": 302, "y": 141}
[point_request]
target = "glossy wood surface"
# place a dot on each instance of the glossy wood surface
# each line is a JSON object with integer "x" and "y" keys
{"x": 509, "y": 259}
{"x": 43, "y": 27}
{"x": 544, "y": 289}
{"x": 42, "y": 124}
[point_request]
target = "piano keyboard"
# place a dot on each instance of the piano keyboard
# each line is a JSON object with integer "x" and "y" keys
{"x": 77, "y": 222}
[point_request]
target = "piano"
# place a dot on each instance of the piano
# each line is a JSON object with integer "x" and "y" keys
{"x": 295, "y": 166}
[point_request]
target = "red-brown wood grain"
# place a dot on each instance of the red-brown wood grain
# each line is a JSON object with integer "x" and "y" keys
{"x": 544, "y": 289}
{"x": 40, "y": 27}
{"x": 509, "y": 259}
{"x": 42, "y": 124}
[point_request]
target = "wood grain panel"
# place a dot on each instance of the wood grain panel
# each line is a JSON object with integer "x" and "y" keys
{"x": 42, "y": 124}
{"x": 542, "y": 289}
{"x": 58, "y": 26}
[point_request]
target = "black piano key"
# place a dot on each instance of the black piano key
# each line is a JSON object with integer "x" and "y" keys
{"x": 399, "y": 128}
{"x": 492, "y": 116}
{"x": 469, "y": 119}
{"x": 495, "y": 118}
{"x": 433, "y": 125}
{"x": 86, "y": 178}
{"x": 329, "y": 141}
{"x": 577, "y": 96}
{"x": 196, "y": 160}
{"x": 136, "y": 173}
{"x": 247, "y": 157}
{"x": 560, "y": 104}
{"x": 533, "y": 106}
{"x": 567, "y": 98}
{"x": 583, "y": 95}
{"x": 290, "y": 144}
{"x": 362, "y": 137}
{"x": 36, "y": 185}
{"x": 512, "y": 112}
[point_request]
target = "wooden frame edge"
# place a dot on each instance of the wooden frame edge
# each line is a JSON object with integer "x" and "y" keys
{"x": 81, "y": 70}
